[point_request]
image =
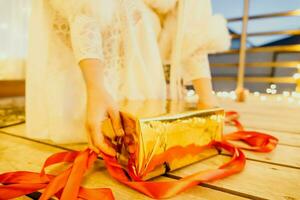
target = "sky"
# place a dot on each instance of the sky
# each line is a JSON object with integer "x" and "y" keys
{"x": 234, "y": 8}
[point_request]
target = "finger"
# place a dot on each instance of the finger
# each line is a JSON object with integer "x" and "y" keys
{"x": 100, "y": 143}
{"x": 91, "y": 144}
{"x": 107, "y": 128}
{"x": 114, "y": 114}
{"x": 95, "y": 149}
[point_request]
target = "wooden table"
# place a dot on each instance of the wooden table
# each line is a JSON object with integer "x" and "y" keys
{"x": 266, "y": 176}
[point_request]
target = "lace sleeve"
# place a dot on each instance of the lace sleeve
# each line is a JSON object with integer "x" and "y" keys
{"x": 195, "y": 67}
{"x": 86, "y": 38}
{"x": 84, "y": 30}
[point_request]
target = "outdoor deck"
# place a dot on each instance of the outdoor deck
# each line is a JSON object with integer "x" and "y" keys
{"x": 266, "y": 176}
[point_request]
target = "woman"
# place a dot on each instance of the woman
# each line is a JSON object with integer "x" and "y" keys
{"x": 86, "y": 55}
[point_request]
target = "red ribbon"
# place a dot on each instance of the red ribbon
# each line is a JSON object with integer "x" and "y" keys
{"x": 66, "y": 185}
{"x": 256, "y": 141}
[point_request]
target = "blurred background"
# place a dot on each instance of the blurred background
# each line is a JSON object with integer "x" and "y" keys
{"x": 264, "y": 57}
{"x": 272, "y": 42}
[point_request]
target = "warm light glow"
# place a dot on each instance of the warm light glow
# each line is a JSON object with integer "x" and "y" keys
{"x": 286, "y": 96}
{"x": 232, "y": 95}
{"x": 286, "y": 93}
{"x": 291, "y": 100}
{"x": 273, "y": 86}
{"x": 191, "y": 93}
{"x": 273, "y": 91}
{"x": 263, "y": 98}
{"x": 279, "y": 98}
{"x": 256, "y": 94}
{"x": 296, "y": 76}
{"x": 225, "y": 94}
{"x": 296, "y": 94}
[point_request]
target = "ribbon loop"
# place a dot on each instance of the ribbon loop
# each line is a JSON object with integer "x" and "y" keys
{"x": 257, "y": 141}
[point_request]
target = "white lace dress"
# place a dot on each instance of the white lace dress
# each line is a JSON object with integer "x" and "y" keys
{"x": 133, "y": 38}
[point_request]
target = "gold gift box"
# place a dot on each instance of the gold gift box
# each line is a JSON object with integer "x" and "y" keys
{"x": 153, "y": 127}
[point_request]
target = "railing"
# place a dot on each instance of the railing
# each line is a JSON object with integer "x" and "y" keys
{"x": 9, "y": 88}
{"x": 276, "y": 50}
{"x": 270, "y": 15}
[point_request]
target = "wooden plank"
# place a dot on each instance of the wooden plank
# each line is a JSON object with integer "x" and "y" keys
{"x": 289, "y": 80}
{"x": 262, "y": 117}
{"x": 265, "y": 110}
{"x": 224, "y": 78}
{"x": 285, "y": 138}
{"x": 282, "y": 155}
{"x": 281, "y": 64}
{"x": 22, "y": 154}
{"x": 12, "y": 88}
{"x": 267, "y": 115}
{"x": 20, "y": 130}
{"x": 285, "y": 154}
{"x": 258, "y": 179}
{"x": 266, "y": 173}
{"x": 278, "y": 157}
{"x": 268, "y": 123}
{"x": 283, "y": 48}
{"x": 268, "y": 15}
{"x": 270, "y": 80}
{"x": 284, "y": 32}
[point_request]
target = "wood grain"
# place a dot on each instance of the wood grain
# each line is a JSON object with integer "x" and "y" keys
{"x": 281, "y": 64}
{"x": 266, "y": 176}
{"x": 258, "y": 179}
{"x": 268, "y": 115}
{"x": 257, "y": 79}
{"x": 278, "y": 156}
{"x": 285, "y": 138}
{"x": 31, "y": 155}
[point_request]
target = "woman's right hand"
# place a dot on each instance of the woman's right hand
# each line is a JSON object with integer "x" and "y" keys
{"x": 100, "y": 106}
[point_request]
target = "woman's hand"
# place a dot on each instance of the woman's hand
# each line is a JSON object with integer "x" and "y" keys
{"x": 100, "y": 106}
{"x": 204, "y": 90}
{"x": 207, "y": 102}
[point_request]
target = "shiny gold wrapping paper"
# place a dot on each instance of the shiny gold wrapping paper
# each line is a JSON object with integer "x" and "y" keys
{"x": 153, "y": 127}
